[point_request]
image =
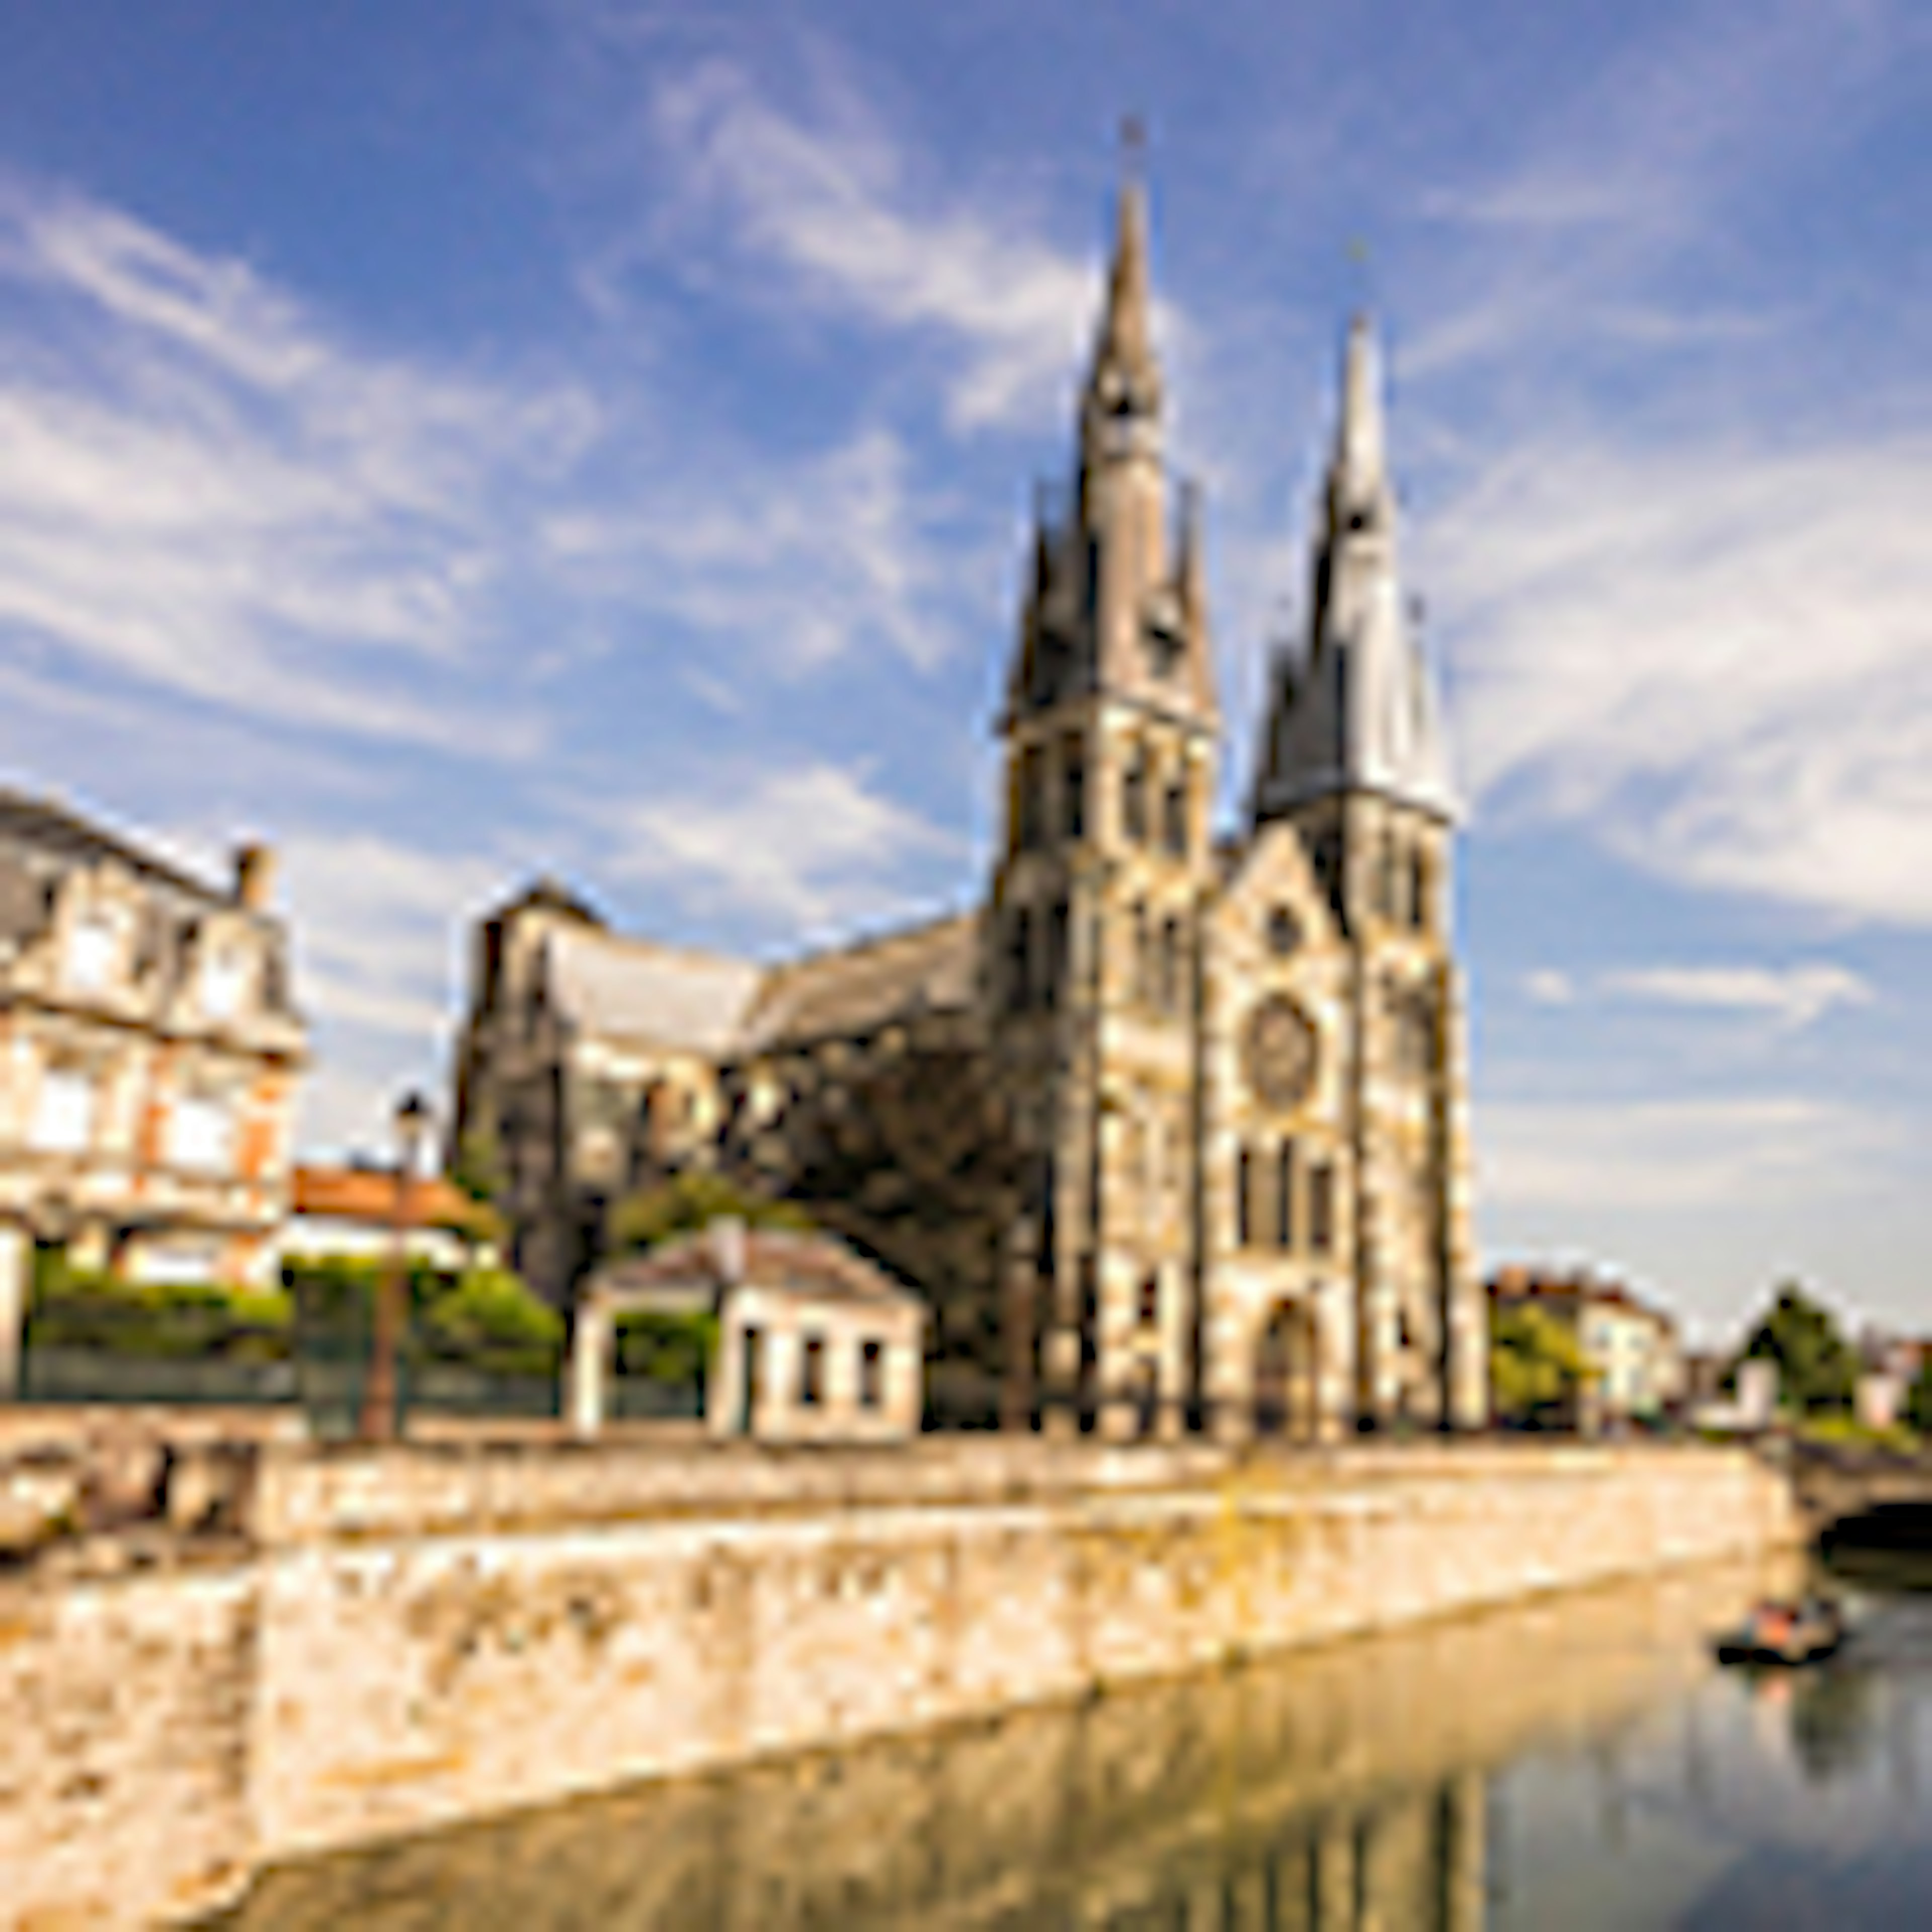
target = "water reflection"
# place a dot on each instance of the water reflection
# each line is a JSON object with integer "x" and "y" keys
{"x": 1578, "y": 1763}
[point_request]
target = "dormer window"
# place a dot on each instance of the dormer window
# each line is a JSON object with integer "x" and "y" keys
{"x": 90, "y": 952}
{"x": 224, "y": 980}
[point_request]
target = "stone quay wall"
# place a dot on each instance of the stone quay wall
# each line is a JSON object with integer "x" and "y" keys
{"x": 383, "y": 1643}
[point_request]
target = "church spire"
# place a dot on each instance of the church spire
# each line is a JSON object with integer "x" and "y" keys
{"x": 1358, "y": 712}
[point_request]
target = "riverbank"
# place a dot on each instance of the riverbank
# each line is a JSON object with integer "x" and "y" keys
{"x": 379, "y": 1644}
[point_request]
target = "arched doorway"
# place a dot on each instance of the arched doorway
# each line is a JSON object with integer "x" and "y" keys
{"x": 1287, "y": 1374}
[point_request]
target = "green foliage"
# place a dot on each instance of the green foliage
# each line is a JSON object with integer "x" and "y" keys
{"x": 205, "y": 1320}
{"x": 1816, "y": 1369}
{"x": 675, "y": 1349}
{"x": 1537, "y": 1366}
{"x": 479, "y": 1169}
{"x": 483, "y": 1319}
{"x": 687, "y": 1202}
{"x": 1834, "y": 1429}
{"x": 1919, "y": 1398}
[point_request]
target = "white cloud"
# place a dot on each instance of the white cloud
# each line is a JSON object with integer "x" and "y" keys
{"x": 1548, "y": 987}
{"x": 1793, "y": 997}
{"x": 1719, "y": 658}
{"x": 807, "y": 849}
{"x": 1612, "y": 1157}
{"x": 800, "y": 562}
{"x": 830, "y": 201}
{"x": 202, "y": 488}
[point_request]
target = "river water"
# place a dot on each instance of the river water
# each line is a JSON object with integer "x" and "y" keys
{"x": 1576, "y": 1763}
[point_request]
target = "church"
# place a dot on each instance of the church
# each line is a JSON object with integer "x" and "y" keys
{"x": 1171, "y": 1129}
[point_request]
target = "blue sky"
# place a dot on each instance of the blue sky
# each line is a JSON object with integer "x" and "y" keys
{"x": 455, "y": 439}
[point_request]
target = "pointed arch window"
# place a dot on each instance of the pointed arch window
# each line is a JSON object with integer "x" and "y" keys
{"x": 1174, "y": 817}
{"x": 1142, "y": 987}
{"x": 1321, "y": 1208}
{"x": 1073, "y": 788}
{"x": 1019, "y": 960}
{"x": 1284, "y": 1196}
{"x": 1057, "y": 928}
{"x": 1244, "y": 1198}
{"x": 1418, "y": 889}
{"x": 1030, "y": 827}
{"x": 1134, "y": 795}
{"x": 1173, "y": 969}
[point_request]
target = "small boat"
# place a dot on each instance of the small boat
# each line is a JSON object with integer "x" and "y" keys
{"x": 1784, "y": 1634}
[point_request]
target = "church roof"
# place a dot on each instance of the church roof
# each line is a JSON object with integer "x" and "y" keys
{"x": 859, "y": 989}
{"x": 633, "y": 989}
{"x": 724, "y": 1009}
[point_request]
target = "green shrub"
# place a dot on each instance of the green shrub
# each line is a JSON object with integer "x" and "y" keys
{"x": 675, "y": 1349}
{"x": 687, "y": 1202}
{"x": 218, "y": 1320}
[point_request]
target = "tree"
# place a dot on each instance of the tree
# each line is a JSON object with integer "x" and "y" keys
{"x": 1817, "y": 1369}
{"x": 687, "y": 1202}
{"x": 1538, "y": 1369}
{"x": 1919, "y": 1397}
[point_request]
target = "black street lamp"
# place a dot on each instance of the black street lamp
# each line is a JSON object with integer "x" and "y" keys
{"x": 377, "y": 1423}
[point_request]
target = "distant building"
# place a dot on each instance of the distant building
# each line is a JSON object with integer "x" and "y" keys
{"x": 815, "y": 1344}
{"x": 149, "y": 1059}
{"x": 354, "y": 1212}
{"x": 1632, "y": 1349}
{"x": 1172, "y": 1128}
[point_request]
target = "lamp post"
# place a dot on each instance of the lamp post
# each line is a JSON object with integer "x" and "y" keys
{"x": 377, "y": 1423}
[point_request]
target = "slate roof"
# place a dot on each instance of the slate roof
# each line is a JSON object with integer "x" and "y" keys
{"x": 816, "y": 1264}
{"x": 631, "y": 989}
{"x": 857, "y": 989}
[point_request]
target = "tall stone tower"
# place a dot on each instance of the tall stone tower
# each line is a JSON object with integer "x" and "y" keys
{"x": 1110, "y": 733}
{"x": 1354, "y": 757}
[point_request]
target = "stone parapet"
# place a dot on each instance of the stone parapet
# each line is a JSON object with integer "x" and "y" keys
{"x": 409, "y": 1638}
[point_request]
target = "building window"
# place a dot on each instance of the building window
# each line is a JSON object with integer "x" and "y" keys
{"x": 1284, "y": 932}
{"x": 1321, "y": 1208}
{"x": 224, "y": 979}
{"x": 1030, "y": 801}
{"x": 1149, "y": 1299}
{"x": 1327, "y": 856}
{"x": 1073, "y": 788}
{"x": 1174, "y": 826}
{"x": 201, "y": 1129}
{"x": 1056, "y": 952}
{"x": 1284, "y": 1196}
{"x": 1172, "y": 974}
{"x": 1244, "y": 1186}
{"x": 1386, "y": 868}
{"x": 64, "y": 1113}
{"x": 872, "y": 1374}
{"x": 90, "y": 953}
{"x": 1019, "y": 960}
{"x": 811, "y": 1372}
{"x": 1418, "y": 890}
{"x": 1134, "y": 797}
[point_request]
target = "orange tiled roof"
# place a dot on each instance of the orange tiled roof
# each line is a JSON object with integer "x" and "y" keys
{"x": 369, "y": 1194}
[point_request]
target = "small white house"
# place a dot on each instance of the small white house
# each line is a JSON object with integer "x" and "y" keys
{"x": 814, "y": 1345}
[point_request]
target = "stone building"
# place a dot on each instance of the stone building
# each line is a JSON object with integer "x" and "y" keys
{"x": 1172, "y": 1127}
{"x": 149, "y": 1058}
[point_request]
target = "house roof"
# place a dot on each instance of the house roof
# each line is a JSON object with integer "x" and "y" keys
{"x": 369, "y": 1194}
{"x": 815, "y": 1266}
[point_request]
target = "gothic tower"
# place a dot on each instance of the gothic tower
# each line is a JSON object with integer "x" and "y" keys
{"x": 1110, "y": 729}
{"x": 1354, "y": 757}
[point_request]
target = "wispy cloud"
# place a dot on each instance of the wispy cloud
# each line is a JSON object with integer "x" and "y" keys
{"x": 203, "y": 489}
{"x": 1791, "y": 996}
{"x": 1721, "y": 1153}
{"x": 795, "y": 852}
{"x": 828, "y": 200}
{"x": 1719, "y": 658}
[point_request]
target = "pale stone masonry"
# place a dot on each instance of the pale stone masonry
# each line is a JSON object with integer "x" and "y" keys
{"x": 394, "y": 1642}
{"x": 150, "y": 1055}
{"x": 1172, "y": 1129}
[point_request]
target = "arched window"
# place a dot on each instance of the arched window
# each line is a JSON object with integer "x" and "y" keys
{"x": 1172, "y": 971}
{"x": 1073, "y": 788}
{"x": 1388, "y": 865}
{"x": 1244, "y": 1204}
{"x": 1321, "y": 1208}
{"x": 1056, "y": 953}
{"x": 1142, "y": 989}
{"x": 1134, "y": 796}
{"x": 1029, "y": 830}
{"x": 1418, "y": 889}
{"x": 1019, "y": 960}
{"x": 1284, "y": 1196}
{"x": 1174, "y": 818}
{"x": 1150, "y": 1299}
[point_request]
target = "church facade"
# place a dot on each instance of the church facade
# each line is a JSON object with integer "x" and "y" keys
{"x": 1172, "y": 1128}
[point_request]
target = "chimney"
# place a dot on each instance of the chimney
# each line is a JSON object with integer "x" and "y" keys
{"x": 728, "y": 1249}
{"x": 254, "y": 877}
